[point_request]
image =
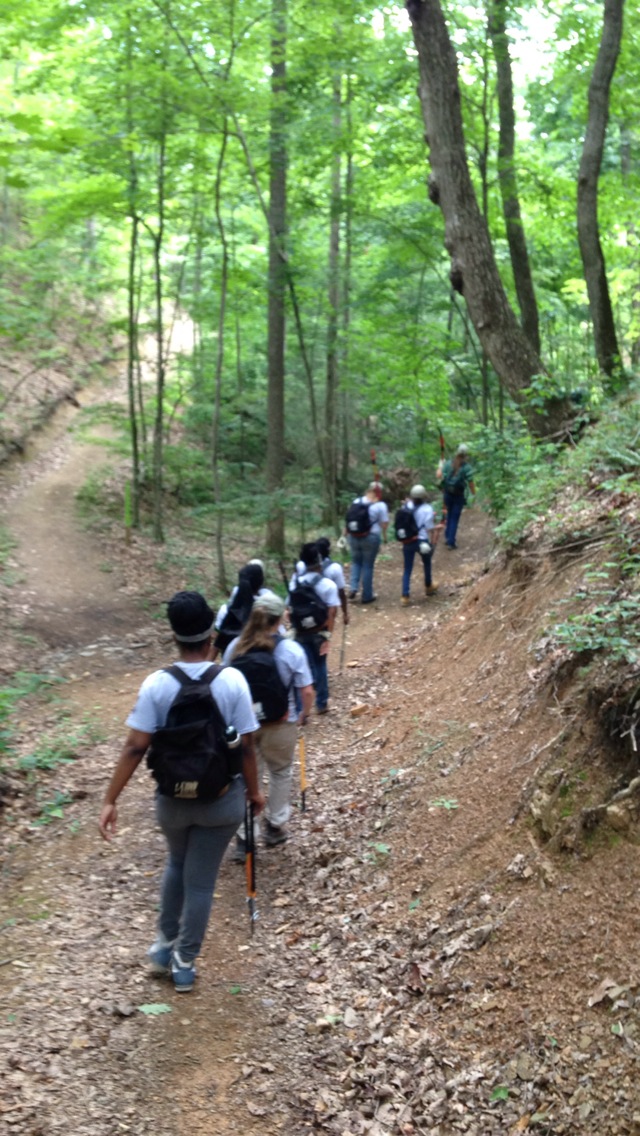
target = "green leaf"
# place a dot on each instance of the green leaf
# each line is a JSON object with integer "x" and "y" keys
{"x": 415, "y": 903}
{"x": 235, "y": 990}
{"x": 500, "y": 1093}
{"x": 152, "y": 1009}
{"x": 617, "y": 1029}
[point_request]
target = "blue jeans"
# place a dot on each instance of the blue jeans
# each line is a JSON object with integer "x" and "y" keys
{"x": 318, "y": 668}
{"x": 409, "y": 553}
{"x": 197, "y": 833}
{"x": 364, "y": 550}
{"x": 454, "y": 505}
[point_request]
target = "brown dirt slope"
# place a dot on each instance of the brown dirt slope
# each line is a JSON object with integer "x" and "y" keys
{"x": 441, "y": 947}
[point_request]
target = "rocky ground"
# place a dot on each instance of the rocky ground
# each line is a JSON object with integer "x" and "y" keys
{"x": 425, "y": 960}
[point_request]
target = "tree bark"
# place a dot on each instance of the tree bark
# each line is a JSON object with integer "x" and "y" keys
{"x": 507, "y": 176}
{"x": 473, "y": 268}
{"x": 331, "y": 399}
{"x": 604, "y": 331}
{"x": 217, "y": 400}
{"x": 277, "y": 275}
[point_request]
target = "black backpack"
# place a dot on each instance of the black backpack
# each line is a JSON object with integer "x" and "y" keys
{"x": 269, "y": 693}
{"x": 405, "y": 524}
{"x": 309, "y": 612}
{"x": 358, "y": 520}
{"x": 191, "y": 755}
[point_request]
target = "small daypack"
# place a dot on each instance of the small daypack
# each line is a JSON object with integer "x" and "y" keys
{"x": 268, "y": 692}
{"x": 192, "y": 755}
{"x": 405, "y": 523}
{"x": 308, "y": 610}
{"x": 455, "y": 481}
{"x": 358, "y": 520}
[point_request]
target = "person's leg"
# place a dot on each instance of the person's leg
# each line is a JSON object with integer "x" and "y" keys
{"x": 453, "y": 518}
{"x": 371, "y": 544}
{"x": 426, "y": 563}
{"x": 356, "y": 562}
{"x": 278, "y": 743}
{"x": 171, "y": 818}
{"x": 448, "y": 504}
{"x": 322, "y": 683}
{"x": 207, "y": 839}
{"x": 408, "y": 555}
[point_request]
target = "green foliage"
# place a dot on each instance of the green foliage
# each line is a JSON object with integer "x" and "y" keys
{"x": 23, "y": 685}
{"x": 52, "y": 810}
{"x": 610, "y": 616}
{"x": 59, "y": 747}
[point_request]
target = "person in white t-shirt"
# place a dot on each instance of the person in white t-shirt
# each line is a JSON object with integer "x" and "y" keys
{"x": 316, "y": 642}
{"x": 423, "y": 544}
{"x": 365, "y": 547}
{"x": 275, "y": 740}
{"x": 331, "y": 569}
{"x": 197, "y": 830}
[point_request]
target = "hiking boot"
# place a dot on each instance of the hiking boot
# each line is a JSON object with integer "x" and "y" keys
{"x": 159, "y": 956}
{"x": 352, "y": 595}
{"x": 273, "y": 835}
{"x": 372, "y": 599}
{"x": 405, "y": 601}
{"x": 430, "y": 589}
{"x": 239, "y": 853}
{"x": 183, "y": 974}
{"x": 322, "y": 710}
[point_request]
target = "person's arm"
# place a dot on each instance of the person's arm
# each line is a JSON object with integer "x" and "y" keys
{"x": 343, "y": 604}
{"x": 250, "y": 772}
{"x": 306, "y": 694}
{"x": 133, "y": 751}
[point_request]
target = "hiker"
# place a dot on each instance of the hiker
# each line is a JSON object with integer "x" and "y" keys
{"x": 313, "y": 603}
{"x": 419, "y": 536}
{"x": 456, "y": 475}
{"x": 257, "y": 652}
{"x": 233, "y": 615}
{"x": 197, "y": 829}
{"x": 332, "y": 570}
{"x": 367, "y": 522}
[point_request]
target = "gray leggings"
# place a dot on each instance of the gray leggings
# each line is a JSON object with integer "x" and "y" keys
{"x": 197, "y": 833}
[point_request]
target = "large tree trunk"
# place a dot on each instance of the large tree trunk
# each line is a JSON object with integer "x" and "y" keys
{"x": 217, "y": 401}
{"x": 277, "y": 275}
{"x": 473, "y": 269}
{"x": 606, "y": 343}
{"x": 507, "y": 176}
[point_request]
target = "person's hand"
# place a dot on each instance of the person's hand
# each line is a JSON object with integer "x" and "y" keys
{"x": 258, "y": 801}
{"x": 108, "y": 821}
{"x": 347, "y": 618}
{"x": 324, "y": 647}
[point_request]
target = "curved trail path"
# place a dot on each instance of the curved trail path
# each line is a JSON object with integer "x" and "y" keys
{"x": 82, "y": 1057}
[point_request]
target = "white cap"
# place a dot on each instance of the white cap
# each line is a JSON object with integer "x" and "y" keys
{"x": 462, "y": 450}
{"x": 418, "y": 491}
{"x": 269, "y": 603}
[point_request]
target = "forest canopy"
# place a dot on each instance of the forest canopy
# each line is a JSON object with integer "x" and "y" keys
{"x": 240, "y": 194}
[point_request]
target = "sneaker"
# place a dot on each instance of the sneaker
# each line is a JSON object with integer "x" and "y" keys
{"x": 371, "y": 600}
{"x": 352, "y": 595}
{"x": 430, "y": 589}
{"x": 159, "y": 956}
{"x": 183, "y": 974}
{"x": 239, "y": 854}
{"x": 273, "y": 835}
{"x": 405, "y": 601}
{"x": 322, "y": 710}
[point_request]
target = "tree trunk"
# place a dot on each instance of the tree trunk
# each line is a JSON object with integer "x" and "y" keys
{"x": 606, "y": 342}
{"x": 158, "y": 428}
{"x": 346, "y": 290}
{"x": 132, "y": 311}
{"x": 217, "y": 401}
{"x": 331, "y": 400}
{"x": 277, "y": 276}
{"x": 473, "y": 268}
{"x": 508, "y": 179}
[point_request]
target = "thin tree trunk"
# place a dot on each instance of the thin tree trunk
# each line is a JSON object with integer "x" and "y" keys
{"x": 331, "y": 400}
{"x": 215, "y": 432}
{"x": 346, "y": 288}
{"x": 158, "y": 432}
{"x": 507, "y": 176}
{"x": 606, "y": 341}
{"x": 474, "y": 271}
{"x": 277, "y": 276}
{"x": 132, "y": 321}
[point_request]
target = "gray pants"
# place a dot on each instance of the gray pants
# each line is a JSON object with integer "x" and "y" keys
{"x": 197, "y": 833}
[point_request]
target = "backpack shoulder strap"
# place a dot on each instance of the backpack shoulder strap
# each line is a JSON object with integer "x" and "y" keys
{"x": 184, "y": 679}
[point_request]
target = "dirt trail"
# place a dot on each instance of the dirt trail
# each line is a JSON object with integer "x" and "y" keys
{"x": 81, "y": 1058}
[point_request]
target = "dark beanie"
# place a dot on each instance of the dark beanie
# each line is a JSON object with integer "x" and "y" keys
{"x": 190, "y": 617}
{"x": 310, "y": 555}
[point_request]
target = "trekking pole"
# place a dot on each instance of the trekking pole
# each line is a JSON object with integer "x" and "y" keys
{"x": 283, "y": 573}
{"x": 250, "y": 863}
{"x": 376, "y": 475}
{"x": 343, "y": 647}
{"x": 303, "y": 775}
